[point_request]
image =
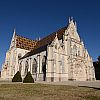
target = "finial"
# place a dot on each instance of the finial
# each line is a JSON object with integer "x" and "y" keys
{"x": 14, "y": 34}
{"x": 39, "y": 38}
{"x": 75, "y": 23}
{"x": 69, "y": 19}
{"x": 56, "y": 34}
{"x": 14, "y": 30}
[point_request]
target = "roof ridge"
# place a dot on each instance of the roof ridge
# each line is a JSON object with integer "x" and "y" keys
{"x": 25, "y": 37}
{"x": 54, "y": 32}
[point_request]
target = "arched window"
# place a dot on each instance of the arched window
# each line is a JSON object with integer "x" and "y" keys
{"x": 75, "y": 50}
{"x": 26, "y": 67}
{"x": 34, "y": 66}
{"x": 44, "y": 67}
{"x": 44, "y": 60}
{"x": 20, "y": 67}
{"x": 63, "y": 68}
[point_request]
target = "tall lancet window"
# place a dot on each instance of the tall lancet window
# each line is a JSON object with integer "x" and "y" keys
{"x": 71, "y": 51}
{"x": 34, "y": 66}
{"x": 44, "y": 64}
{"x": 75, "y": 50}
{"x": 63, "y": 69}
{"x": 44, "y": 67}
{"x": 26, "y": 67}
{"x": 20, "y": 66}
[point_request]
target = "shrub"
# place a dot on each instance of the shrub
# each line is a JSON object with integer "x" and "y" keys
{"x": 17, "y": 77}
{"x": 28, "y": 78}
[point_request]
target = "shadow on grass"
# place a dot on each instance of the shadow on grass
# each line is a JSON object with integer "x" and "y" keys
{"x": 90, "y": 87}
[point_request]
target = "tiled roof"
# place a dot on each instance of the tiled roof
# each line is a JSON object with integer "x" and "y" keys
{"x": 45, "y": 41}
{"x": 25, "y": 43}
{"x": 48, "y": 39}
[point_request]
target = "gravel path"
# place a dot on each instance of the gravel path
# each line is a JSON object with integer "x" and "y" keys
{"x": 94, "y": 84}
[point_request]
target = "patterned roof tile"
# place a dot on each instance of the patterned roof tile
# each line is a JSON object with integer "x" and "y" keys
{"x": 25, "y": 43}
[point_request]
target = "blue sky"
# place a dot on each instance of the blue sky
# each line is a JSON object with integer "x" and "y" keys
{"x": 38, "y": 18}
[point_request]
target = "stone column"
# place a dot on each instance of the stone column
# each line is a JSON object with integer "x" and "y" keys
{"x": 68, "y": 58}
{"x": 38, "y": 66}
{"x": 29, "y": 65}
{"x": 50, "y": 64}
{"x": 57, "y": 66}
{"x": 23, "y": 69}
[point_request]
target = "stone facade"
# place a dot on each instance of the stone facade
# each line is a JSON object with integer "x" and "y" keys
{"x": 61, "y": 56}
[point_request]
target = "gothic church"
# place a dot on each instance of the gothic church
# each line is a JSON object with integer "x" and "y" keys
{"x": 60, "y": 56}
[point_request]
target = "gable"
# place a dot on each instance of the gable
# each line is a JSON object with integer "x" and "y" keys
{"x": 72, "y": 30}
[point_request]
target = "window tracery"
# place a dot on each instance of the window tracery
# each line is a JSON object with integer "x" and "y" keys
{"x": 34, "y": 66}
{"x": 26, "y": 67}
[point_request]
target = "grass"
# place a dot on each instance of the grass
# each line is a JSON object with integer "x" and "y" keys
{"x": 47, "y": 92}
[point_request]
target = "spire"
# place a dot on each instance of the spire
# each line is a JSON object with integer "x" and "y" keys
{"x": 14, "y": 32}
{"x": 39, "y": 38}
{"x": 56, "y": 35}
{"x": 75, "y": 25}
{"x": 70, "y": 19}
{"x": 13, "y": 39}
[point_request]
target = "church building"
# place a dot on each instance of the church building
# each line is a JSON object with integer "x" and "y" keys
{"x": 60, "y": 56}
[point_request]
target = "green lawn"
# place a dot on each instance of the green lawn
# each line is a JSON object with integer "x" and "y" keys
{"x": 47, "y": 92}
